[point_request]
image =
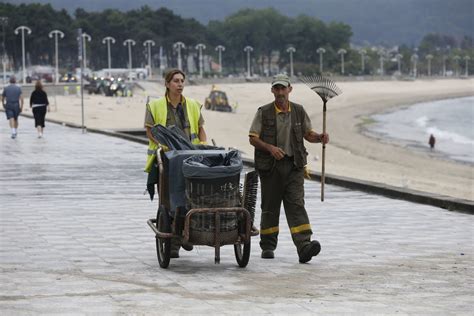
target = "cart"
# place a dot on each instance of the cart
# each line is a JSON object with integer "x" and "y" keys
{"x": 212, "y": 225}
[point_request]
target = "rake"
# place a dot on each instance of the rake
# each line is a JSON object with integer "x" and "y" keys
{"x": 327, "y": 90}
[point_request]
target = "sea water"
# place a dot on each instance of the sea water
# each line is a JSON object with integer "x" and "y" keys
{"x": 450, "y": 121}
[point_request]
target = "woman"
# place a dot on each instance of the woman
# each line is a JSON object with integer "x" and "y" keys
{"x": 174, "y": 109}
{"x": 184, "y": 113}
{"x": 39, "y": 103}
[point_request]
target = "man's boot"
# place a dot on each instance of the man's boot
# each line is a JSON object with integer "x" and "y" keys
{"x": 309, "y": 251}
{"x": 268, "y": 254}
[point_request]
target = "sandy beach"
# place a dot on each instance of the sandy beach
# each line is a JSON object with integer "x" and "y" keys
{"x": 350, "y": 152}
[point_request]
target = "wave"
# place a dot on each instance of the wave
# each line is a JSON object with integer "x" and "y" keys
{"x": 421, "y": 121}
{"x": 439, "y": 133}
{"x": 450, "y": 121}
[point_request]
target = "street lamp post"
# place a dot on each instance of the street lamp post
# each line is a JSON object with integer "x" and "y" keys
{"x": 362, "y": 60}
{"x": 248, "y": 49}
{"x": 56, "y": 34}
{"x": 149, "y": 43}
{"x": 342, "y": 52}
{"x": 162, "y": 61}
{"x": 85, "y": 37}
{"x": 291, "y": 50}
{"x": 381, "y": 59}
{"x": 177, "y": 47}
{"x": 220, "y": 49}
{"x": 23, "y": 28}
{"x": 200, "y": 47}
{"x": 429, "y": 57}
{"x": 321, "y": 51}
{"x": 4, "y": 21}
{"x": 129, "y": 43}
{"x": 445, "y": 58}
{"x": 399, "y": 62}
{"x": 466, "y": 60}
{"x": 457, "y": 58}
{"x": 414, "y": 60}
{"x": 107, "y": 40}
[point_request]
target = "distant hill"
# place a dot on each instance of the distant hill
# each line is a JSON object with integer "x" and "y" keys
{"x": 372, "y": 21}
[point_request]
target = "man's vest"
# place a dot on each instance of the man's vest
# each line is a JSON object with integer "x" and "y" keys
{"x": 263, "y": 159}
{"x": 159, "y": 111}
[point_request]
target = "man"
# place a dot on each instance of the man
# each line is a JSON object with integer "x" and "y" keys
{"x": 12, "y": 101}
{"x": 277, "y": 134}
{"x": 182, "y": 112}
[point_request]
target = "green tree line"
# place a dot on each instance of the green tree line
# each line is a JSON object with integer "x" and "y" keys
{"x": 269, "y": 32}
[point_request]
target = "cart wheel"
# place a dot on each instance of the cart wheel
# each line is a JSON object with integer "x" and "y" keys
{"x": 163, "y": 245}
{"x": 242, "y": 254}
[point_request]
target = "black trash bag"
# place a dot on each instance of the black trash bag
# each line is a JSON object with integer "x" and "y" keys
{"x": 175, "y": 139}
{"x": 172, "y": 137}
{"x": 212, "y": 167}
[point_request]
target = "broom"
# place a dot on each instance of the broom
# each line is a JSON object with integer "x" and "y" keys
{"x": 326, "y": 89}
{"x": 249, "y": 195}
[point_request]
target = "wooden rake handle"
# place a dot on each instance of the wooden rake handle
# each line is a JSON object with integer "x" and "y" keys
{"x": 323, "y": 153}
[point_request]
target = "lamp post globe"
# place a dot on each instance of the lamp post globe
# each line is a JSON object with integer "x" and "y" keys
{"x": 321, "y": 52}
{"x": 149, "y": 44}
{"x": 342, "y": 52}
{"x": 177, "y": 47}
{"x": 17, "y": 31}
{"x": 56, "y": 34}
{"x": 291, "y": 50}
{"x": 248, "y": 49}
{"x": 220, "y": 49}
{"x": 108, "y": 40}
{"x": 200, "y": 47}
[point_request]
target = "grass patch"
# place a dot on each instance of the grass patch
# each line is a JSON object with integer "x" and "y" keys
{"x": 365, "y": 120}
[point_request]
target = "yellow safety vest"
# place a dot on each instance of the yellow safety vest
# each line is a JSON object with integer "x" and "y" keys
{"x": 159, "y": 110}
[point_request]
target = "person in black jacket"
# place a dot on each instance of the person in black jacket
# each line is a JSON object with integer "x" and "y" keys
{"x": 39, "y": 103}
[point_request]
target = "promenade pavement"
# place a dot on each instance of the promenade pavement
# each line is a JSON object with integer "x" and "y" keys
{"x": 74, "y": 240}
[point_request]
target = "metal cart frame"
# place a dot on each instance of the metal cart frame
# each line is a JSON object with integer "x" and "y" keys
{"x": 166, "y": 228}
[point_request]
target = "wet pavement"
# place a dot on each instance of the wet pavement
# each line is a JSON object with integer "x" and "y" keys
{"x": 74, "y": 240}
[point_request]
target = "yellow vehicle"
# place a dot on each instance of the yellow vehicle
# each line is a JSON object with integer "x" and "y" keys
{"x": 217, "y": 101}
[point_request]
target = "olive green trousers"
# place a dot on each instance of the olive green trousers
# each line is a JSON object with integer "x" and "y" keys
{"x": 283, "y": 183}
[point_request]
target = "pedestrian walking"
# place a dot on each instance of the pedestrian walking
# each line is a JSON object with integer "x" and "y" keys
{"x": 432, "y": 141}
{"x": 39, "y": 104}
{"x": 180, "y": 111}
{"x": 277, "y": 133}
{"x": 12, "y": 101}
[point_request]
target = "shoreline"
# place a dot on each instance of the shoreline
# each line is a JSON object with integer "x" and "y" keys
{"x": 350, "y": 153}
{"x": 372, "y": 160}
{"x": 387, "y": 137}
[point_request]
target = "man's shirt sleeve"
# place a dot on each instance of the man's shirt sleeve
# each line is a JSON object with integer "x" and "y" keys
{"x": 308, "y": 127}
{"x": 256, "y": 127}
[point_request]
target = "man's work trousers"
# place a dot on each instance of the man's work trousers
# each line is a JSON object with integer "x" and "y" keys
{"x": 284, "y": 183}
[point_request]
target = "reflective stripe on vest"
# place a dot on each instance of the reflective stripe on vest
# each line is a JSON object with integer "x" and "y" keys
{"x": 159, "y": 111}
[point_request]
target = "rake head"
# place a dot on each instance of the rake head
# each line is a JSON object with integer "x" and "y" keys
{"x": 323, "y": 86}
